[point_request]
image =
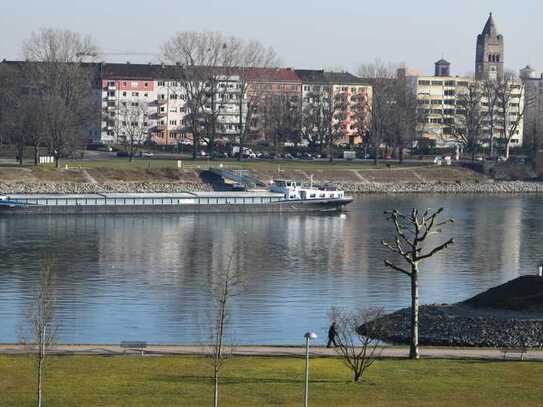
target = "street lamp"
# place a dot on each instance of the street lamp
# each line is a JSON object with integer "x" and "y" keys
{"x": 308, "y": 336}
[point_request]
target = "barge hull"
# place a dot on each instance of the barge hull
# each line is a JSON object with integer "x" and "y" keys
{"x": 305, "y": 206}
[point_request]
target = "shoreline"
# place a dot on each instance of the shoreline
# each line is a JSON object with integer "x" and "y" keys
{"x": 497, "y": 187}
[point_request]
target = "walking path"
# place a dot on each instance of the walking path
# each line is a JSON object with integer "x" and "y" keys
{"x": 393, "y": 351}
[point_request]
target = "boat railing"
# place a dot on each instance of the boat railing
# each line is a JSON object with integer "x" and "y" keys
{"x": 136, "y": 201}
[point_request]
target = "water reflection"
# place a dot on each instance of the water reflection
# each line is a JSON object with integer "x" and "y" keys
{"x": 149, "y": 277}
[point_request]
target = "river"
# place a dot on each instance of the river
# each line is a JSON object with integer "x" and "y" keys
{"x": 150, "y": 277}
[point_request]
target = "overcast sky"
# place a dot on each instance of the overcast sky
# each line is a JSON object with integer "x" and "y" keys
{"x": 306, "y": 34}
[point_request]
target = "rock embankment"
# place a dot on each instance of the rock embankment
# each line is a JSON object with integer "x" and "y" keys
{"x": 89, "y": 188}
{"x": 443, "y": 325}
{"x": 506, "y": 187}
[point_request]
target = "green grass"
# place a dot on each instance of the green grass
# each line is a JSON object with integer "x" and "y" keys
{"x": 123, "y": 163}
{"x": 269, "y": 381}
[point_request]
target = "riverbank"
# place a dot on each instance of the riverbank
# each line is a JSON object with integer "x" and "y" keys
{"x": 264, "y": 381}
{"x": 353, "y": 179}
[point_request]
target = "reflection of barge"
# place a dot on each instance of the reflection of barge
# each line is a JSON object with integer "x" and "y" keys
{"x": 284, "y": 196}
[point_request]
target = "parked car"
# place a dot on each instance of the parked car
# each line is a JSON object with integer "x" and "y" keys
{"x": 145, "y": 154}
{"x": 123, "y": 154}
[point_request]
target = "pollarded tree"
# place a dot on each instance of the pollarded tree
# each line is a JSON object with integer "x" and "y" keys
{"x": 410, "y": 241}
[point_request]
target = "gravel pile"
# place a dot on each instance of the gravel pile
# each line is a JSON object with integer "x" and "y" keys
{"x": 449, "y": 325}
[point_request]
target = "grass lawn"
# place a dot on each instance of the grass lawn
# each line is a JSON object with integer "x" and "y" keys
{"x": 269, "y": 381}
{"x": 123, "y": 163}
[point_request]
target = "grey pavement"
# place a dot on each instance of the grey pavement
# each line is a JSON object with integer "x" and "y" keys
{"x": 392, "y": 351}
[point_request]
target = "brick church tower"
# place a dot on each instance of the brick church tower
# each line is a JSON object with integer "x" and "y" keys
{"x": 489, "y": 53}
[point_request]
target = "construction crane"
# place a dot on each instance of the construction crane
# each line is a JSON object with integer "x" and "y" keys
{"x": 98, "y": 54}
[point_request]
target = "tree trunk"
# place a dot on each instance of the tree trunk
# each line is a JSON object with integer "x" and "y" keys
{"x": 36, "y": 154}
{"x": 216, "y": 392}
{"x": 414, "y": 346}
{"x": 39, "y": 401}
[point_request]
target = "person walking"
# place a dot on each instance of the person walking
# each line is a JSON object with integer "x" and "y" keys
{"x": 332, "y": 333}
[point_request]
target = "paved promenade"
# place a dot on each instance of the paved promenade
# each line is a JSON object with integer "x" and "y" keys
{"x": 394, "y": 352}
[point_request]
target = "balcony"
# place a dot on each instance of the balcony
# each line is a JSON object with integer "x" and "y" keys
{"x": 160, "y": 127}
{"x": 111, "y": 87}
{"x": 161, "y": 102}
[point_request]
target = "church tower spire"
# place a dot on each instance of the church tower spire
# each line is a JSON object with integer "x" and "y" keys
{"x": 489, "y": 52}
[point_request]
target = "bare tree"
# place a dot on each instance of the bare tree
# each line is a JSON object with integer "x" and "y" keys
{"x": 204, "y": 60}
{"x": 226, "y": 286}
{"x": 251, "y": 55}
{"x": 358, "y": 351}
{"x": 63, "y": 85}
{"x": 383, "y": 106}
{"x": 510, "y": 106}
{"x": 131, "y": 125}
{"x": 465, "y": 124}
{"x": 490, "y": 101}
{"x": 42, "y": 324}
{"x": 318, "y": 116}
{"x": 411, "y": 233}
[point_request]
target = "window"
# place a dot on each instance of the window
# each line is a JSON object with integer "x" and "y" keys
{"x": 111, "y": 83}
{"x": 450, "y": 83}
{"x": 146, "y": 84}
{"x": 465, "y": 84}
{"x": 437, "y": 83}
{"x": 353, "y": 90}
{"x": 111, "y": 93}
{"x": 173, "y": 122}
{"x": 161, "y": 83}
{"x": 424, "y": 83}
{"x": 124, "y": 93}
{"x": 173, "y": 96}
{"x": 437, "y": 102}
{"x": 145, "y": 94}
{"x": 135, "y": 93}
{"x": 124, "y": 83}
{"x": 135, "y": 104}
{"x": 134, "y": 84}
{"x": 449, "y": 92}
{"x": 173, "y": 109}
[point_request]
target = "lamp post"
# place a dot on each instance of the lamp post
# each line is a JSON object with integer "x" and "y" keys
{"x": 308, "y": 336}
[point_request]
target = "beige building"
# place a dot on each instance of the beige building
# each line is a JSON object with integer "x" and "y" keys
{"x": 440, "y": 110}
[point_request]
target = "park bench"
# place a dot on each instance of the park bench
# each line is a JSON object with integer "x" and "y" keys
{"x": 134, "y": 345}
{"x": 520, "y": 350}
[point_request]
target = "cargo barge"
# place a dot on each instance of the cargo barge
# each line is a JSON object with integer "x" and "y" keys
{"x": 283, "y": 196}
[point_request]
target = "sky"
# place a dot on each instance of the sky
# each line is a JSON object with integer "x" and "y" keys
{"x": 306, "y": 34}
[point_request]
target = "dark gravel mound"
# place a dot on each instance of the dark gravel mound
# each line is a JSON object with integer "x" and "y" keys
{"x": 442, "y": 325}
{"x": 508, "y": 315}
{"x": 522, "y": 294}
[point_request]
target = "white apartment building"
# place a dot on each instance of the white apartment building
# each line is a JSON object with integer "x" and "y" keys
{"x": 153, "y": 90}
{"x": 439, "y": 99}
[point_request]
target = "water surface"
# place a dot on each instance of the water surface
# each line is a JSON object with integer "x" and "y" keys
{"x": 150, "y": 277}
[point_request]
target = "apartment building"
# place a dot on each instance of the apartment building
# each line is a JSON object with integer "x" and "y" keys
{"x": 351, "y": 97}
{"x": 533, "y": 114}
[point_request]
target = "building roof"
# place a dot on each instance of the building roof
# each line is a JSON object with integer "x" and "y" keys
{"x": 311, "y": 75}
{"x": 272, "y": 75}
{"x": 442, "y": 62}
{"x": 490, "y": 27}
{"x": 344, "y": 78}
